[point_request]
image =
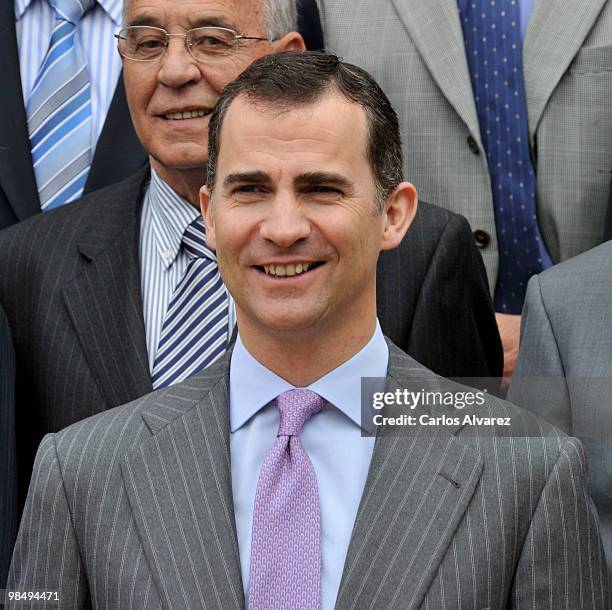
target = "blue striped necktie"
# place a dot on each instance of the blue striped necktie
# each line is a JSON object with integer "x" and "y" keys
{"x": 59, "y": 112}
{"x": 493, "y": 48}
{"x": 196, "y": 327}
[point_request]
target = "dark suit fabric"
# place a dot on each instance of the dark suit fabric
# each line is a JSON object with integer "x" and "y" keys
{"x": 118, "y": 152}
{"x": 9, "y": 516}
{"x": 72, "y": 297}
{"x": 142, "y": 514}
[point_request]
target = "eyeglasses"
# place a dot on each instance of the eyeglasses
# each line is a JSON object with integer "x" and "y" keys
{"x": 148, "y": 43}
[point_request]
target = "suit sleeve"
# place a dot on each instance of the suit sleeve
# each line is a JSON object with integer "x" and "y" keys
{"x": 562, "y": 562}
{"x": 46, "y": 556}
{"x": 539, "y": 382}
{"x": 8, "y": 461}
{"x": 454, "y": 322}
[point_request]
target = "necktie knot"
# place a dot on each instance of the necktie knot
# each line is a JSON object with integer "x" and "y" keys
{"x": 296, "y": 407}
{"x": 71, "y": 10}
{"x": 194, "y": 241}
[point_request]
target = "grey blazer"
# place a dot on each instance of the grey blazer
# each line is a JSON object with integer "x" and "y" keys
{"x": 415, "y": 50}
{"x": 564, "y": 368}
{"x": 9, "y": 517}
{"x": 133, "y": 508}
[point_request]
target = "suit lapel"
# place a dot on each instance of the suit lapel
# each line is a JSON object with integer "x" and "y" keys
{"x": 104, "y": 300}
{"x": 409, "y": 510}
{"x": 556, "y": 31}
{"x": 179, "y": 488}
{"x": 428, "y": 23}
{"x": 16, "y": 174}
{"x": 119, "y": 153}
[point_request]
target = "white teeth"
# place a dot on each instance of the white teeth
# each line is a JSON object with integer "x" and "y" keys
{"x": 286, "y": 270}
{"x": 188, "y": 114}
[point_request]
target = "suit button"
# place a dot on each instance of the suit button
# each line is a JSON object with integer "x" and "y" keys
{"x": 482, "y": 238}
{"x": 473, "y": 145}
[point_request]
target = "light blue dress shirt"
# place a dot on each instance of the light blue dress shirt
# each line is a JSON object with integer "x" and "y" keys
{"x": 525, "y": 14}
{"x": 34, "y": 20}
{"x": 332, "y": 438}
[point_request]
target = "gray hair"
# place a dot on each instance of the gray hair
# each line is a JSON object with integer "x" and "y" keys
{"x": 280, "y": 17}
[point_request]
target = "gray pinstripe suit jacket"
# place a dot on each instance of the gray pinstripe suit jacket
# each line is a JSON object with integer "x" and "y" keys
{"x": 415, "y": 50}
{"x": 133, "y": 508}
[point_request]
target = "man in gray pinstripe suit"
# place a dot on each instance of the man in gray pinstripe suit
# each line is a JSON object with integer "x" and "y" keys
{"x": 147, "y": 505}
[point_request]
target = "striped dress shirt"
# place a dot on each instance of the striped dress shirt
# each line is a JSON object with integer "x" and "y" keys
{"x": 165, "y": 216}
{"x": 34, "y": 21}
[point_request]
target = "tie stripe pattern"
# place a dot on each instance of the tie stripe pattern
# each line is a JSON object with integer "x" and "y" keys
{"x": 196, "y": 327}
{"x": 59, "y": 112}
{"x": 493, "y": 49}
{"x": 286, "y": 536}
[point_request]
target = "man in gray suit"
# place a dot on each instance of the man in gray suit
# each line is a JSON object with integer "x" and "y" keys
{"x": 422, "y": 55}
{"x": 564, "y": 369}
{"x": 189, "y": 498}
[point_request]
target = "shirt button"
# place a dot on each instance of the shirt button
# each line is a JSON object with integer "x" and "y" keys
{"x": 473, "y": 145}
{"x": 482, "y": 238}
{"x": 168, "y": 255}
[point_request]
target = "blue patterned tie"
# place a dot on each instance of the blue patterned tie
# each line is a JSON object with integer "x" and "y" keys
{"x": 196, "y": 327}
{"x": 59, "y": 112}
{"x": 493, "y": 48}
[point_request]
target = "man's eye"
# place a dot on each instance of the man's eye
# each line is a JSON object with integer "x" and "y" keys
{"x": 324, "y": 190}
{"x": 150, "y": 44}
{"x": 248, "y": 188}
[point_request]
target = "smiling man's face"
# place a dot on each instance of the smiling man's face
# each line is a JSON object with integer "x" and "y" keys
{"x": 170, "y": 98}
{"x": 294, "y": 219}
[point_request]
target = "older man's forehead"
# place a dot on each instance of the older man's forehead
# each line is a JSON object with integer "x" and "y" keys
{"x": 234, "y": 14}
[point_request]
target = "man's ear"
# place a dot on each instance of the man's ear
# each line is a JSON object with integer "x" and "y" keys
{"x": 206, "y": 209}
{"x": 290, "y": 42}
{"x": 400, "y": 210}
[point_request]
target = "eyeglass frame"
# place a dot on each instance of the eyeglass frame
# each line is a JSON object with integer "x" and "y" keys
{"x": 185, "y": 35}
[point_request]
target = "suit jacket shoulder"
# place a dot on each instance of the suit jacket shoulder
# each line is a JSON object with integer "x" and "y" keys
{"x": 433, "y": 299}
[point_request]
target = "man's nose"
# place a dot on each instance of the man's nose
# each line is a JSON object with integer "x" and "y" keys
{"x": 177, "y": 66}
{"x": 285, "y": 223}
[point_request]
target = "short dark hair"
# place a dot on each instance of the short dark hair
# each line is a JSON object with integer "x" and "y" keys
{"x": 298, "y": 78}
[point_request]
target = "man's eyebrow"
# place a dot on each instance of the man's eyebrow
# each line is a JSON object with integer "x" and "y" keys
{"x": 326, "y": 178}
{"x": 198, "y": 22}
{"x": 213, "y": 22}
{"x": 143, "y": 19}
{"x": 254, "y": 177}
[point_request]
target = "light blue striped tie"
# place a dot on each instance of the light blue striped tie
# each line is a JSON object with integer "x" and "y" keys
{"x": 196, "y": 327}
{"x": 59, "y": 112}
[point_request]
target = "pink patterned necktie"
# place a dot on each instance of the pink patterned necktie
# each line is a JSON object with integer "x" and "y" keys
{"x": 286, "y": 545}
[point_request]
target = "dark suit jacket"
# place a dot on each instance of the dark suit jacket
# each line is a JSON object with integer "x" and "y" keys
{"x": 72, "y": 296}
{"x": 8, "y": 465}
{"x": 136, "y": 504}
